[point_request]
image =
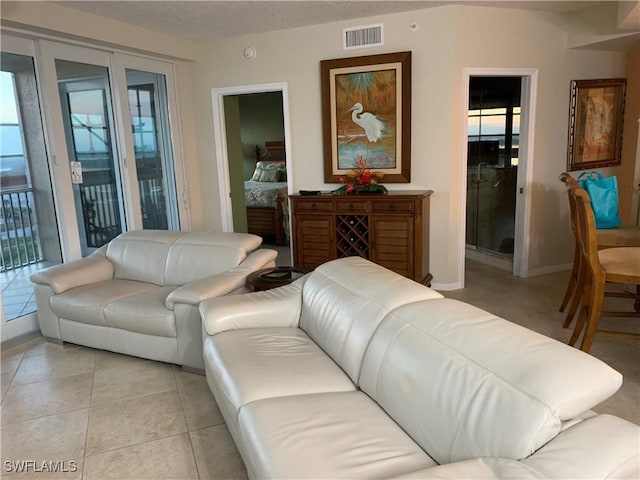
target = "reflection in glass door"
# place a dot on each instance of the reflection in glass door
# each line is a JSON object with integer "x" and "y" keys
{"x": 88, "y": 121}
{"x": 147, "y": 97}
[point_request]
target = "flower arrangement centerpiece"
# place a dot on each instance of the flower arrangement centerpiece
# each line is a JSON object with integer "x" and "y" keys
{"x": 360, "y": 180}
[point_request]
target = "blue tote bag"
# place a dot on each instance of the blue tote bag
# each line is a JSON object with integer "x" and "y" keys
{"x": 604, "y": 198}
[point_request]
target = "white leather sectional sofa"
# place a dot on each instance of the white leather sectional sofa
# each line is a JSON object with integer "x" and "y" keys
{"x": 356, "y": 372}
{"x": 140, "y": 293}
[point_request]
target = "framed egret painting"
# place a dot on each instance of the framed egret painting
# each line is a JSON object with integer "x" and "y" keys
{"x": 366, "y": 115}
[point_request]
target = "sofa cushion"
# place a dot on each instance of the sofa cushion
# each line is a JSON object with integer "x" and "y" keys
{"x": 465, "y": 383}
{"x": 141, "y": 255}
{"x": 326, "y": 435}
{"x": 345, "y": 300}
{"x": 86, "y": 304}
{"x": 257, "y": 363}
{"x": 143, "y": 312}
{"x": 199, "y": 255}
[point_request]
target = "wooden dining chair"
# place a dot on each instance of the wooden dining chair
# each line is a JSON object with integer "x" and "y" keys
{"x": 573, "y": 293}
{"x": 617, "y": 265}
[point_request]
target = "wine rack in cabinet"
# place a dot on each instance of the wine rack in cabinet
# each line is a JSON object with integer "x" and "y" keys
{"x": 391, "y": 230}
{"x": 352, "y": 233}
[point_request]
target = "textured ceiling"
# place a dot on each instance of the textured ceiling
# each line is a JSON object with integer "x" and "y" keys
{"x": 202, "y": 19}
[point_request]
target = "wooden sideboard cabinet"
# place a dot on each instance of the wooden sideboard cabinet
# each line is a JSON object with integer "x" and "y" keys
{"x": 391, "y": 230}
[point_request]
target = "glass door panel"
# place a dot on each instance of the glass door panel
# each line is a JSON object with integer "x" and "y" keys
{"x": 29, "y": 238}
{"x": 492, "y": 163}
{"x": 147, "y": 98}
{"x": 88, "y": 122}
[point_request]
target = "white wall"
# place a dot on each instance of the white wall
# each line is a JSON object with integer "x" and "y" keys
{"x": 449, "y": 39}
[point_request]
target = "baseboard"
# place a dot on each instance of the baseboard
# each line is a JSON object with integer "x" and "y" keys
{"x": 492, "y": 260}
{"x": 534, "y": 272}
{"x": 20, "y": 339}
{"x": 446, "y": 287}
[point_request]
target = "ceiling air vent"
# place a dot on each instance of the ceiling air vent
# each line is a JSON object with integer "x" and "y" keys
{"x": 363, "y": 37}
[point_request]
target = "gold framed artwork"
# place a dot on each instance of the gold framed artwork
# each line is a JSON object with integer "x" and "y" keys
{"x": 366, "y": 114}
{"x": 595, "y": 123}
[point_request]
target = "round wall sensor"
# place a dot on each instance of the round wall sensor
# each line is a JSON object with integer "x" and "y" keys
{"x": 249, "y": 53}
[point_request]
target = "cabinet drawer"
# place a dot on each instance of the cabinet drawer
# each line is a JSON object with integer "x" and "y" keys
{"x": 352, "y": 206}
{"x": 392, "y": 206}
{"x": 313, "y": 206}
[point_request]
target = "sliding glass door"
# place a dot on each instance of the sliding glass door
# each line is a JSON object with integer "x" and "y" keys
{"x": 110, "y": 116}
{"x": 87, "y": 151}
{"x": 152, "y": 147}
{"x": 29, "y": 238}
{"x": 85, "y": 101}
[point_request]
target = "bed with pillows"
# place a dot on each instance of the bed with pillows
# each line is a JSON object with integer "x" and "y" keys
{"x": 266, "y": 195}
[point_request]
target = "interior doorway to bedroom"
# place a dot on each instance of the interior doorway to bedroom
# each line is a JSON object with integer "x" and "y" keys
{"x": 252, "y": 120}
{"x": 251, "y": 128}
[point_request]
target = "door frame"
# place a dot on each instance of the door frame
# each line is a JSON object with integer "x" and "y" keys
{"x": 529, "y": 91}
{"x": 220, "y": 140}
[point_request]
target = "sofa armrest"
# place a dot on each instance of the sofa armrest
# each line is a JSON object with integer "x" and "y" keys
{"x": 222, "y": 283}
{"x": 279, "y": 307}
{"x": 603, "y": 446}
{"x": 261, "y": 258}
{"x": 92, "y": 269}
{"x": 598, "y": 447}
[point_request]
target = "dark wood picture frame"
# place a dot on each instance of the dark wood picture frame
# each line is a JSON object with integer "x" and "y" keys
{"x": 366, "y": 112}
{"x": 596, "y": 117}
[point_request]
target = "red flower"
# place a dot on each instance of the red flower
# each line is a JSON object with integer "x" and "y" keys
{"x": 365, "y": 177}
{"x": 361, "y": 179}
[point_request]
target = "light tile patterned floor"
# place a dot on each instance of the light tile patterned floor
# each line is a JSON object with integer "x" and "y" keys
{"x": 114, "y": 416}
{"x": 17, "y": 290}
{"x": 124, "y": 417}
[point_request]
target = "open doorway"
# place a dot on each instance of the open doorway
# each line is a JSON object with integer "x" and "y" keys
{"x": 498, "y": 154}
{"x": 251, "y": 125}
{"x": 493, "y": 135}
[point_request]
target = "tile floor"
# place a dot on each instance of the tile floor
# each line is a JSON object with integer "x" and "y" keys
{"x": 17, "y": 290}
{"x": 124, "y": 417}
{"x": 114, "y": 416}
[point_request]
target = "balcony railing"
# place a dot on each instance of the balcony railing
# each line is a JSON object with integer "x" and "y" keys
{"x": 20, "y": 243}
{"x": 19, "y": 240}
{"x": 101, "y": 206}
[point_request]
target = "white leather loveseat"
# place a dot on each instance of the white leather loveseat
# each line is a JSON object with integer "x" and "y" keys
{"x": 356, "y": 372}
{"x": 140, "y": 293}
